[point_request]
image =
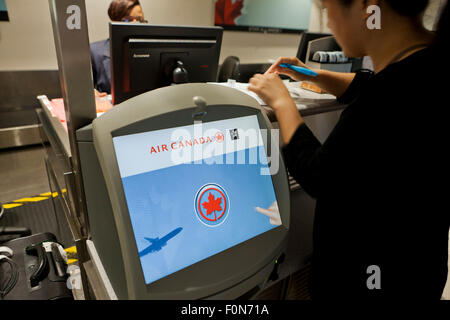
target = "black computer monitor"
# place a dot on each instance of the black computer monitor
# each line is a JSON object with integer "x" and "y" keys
{"x": 146, "y": 57}
{"x": 306, "y": 38}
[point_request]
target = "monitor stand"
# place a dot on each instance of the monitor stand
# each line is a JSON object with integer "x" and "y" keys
{"x": 180, "y": 74}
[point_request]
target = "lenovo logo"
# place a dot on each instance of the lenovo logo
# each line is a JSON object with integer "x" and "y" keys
{"x": 139, "y": 56}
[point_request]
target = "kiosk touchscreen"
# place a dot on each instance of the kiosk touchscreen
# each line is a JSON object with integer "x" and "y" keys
{"x": 184, "y": 210}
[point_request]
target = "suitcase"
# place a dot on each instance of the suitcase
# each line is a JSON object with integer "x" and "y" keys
{"x": 36, "y": 271}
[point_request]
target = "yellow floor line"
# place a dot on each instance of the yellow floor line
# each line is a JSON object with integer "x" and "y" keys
{"x": 33, "y": 199}
{"x": 12, "y": 205}
{"x": 72, "y": 249}
{"x": 48, "y": 194}
{"x": 22, "y": 201}
{"x": 72, "y": 253}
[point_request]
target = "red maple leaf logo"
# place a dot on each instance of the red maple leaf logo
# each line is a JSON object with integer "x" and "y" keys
{"x": 227, "y": 11}
{"x": 212, "y": 205}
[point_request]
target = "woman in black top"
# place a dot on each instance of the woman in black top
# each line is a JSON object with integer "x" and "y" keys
{"x": 382, "y": 218}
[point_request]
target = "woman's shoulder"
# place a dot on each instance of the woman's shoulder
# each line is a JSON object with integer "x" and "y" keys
{"x": 415, "y": 75}
{"x": 408, "y": 84}
{"x": 422, "y": 63}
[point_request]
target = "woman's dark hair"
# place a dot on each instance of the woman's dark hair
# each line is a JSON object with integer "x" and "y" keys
{"x": 402, "y": 7}
{"x": 408, "y": 8}
{"x": 443, "y": 28}
{"x": 414, "y": 9}
{"x": 118, "y": 9}
{"x": 444, "y": 20}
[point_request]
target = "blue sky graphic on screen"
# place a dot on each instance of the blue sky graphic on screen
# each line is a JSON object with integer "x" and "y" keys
{"x": 189, "y": 206}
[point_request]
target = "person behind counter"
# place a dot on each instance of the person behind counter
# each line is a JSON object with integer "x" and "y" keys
{"x": 382, "y": 218}
{"x": 119, "y": 11}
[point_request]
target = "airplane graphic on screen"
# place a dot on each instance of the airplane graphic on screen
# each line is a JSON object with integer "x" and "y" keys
{"x": 157, "y": 243}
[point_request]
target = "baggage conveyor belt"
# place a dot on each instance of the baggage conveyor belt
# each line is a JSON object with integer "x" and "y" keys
{"x": 19, "y": 128}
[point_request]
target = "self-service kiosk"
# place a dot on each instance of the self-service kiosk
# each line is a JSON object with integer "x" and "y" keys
{"x": 172, "y": 180}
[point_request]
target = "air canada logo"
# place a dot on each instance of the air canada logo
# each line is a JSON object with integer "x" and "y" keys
{"x": 212, "y": 205}
{"x": 219, "y": 136}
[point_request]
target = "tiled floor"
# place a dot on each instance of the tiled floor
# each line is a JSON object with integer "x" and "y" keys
{"x": 23, "y": 174}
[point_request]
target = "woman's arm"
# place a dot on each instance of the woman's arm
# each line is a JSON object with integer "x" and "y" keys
{"x": 310, "y": 163}
{"x": 335, "y": 83}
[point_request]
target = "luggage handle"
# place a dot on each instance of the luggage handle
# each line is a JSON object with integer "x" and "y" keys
{"x": 38, "y": 273}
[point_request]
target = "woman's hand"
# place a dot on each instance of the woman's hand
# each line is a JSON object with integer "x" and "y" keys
{"x": 271, "y": 89}
{"x": 99, "y": 94}
{"x": 275, "y": 68}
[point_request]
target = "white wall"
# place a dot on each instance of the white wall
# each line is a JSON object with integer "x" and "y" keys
{"x": 26, "y": 42}
{"x": 249, "y": 47}
{"x": 181, "y": 12}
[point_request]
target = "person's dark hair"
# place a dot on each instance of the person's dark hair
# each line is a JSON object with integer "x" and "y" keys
{"x": 404, "y": 8}
{"x": 414, "y": 9}
{"x": 443, "y": 28}
{"x": 444, "y": 20}
{"x": 118, "y": 9}
{"x": 408, "y": 8}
